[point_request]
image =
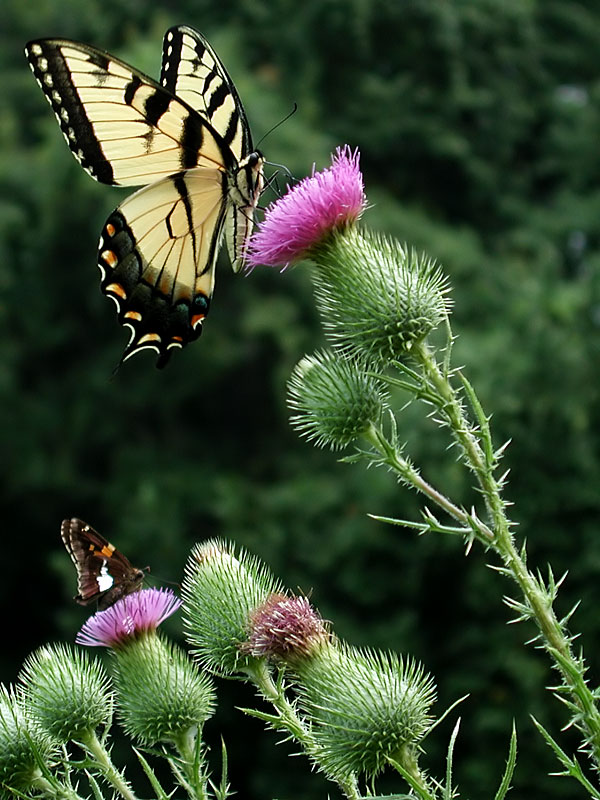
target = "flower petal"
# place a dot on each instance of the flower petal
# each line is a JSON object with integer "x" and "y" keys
{"x": 133, "y": 614}
{"x": 310, "y": 211}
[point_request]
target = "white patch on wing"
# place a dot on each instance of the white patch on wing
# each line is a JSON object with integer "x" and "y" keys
{"x": 105, "y": 580}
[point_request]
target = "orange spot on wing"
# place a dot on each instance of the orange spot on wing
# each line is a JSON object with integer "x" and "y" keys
{"x": 133, "y": 315}
{"x": 110, "y": 229}
{"x": 117, "y": 289}
{"x": 149, "y": 337}
{"x": 110, "y": 258}
{"x": 197, "y": 319}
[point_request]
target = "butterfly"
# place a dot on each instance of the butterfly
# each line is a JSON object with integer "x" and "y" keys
{"x": 104, "y": 575}
{"x": 187, "y": 142}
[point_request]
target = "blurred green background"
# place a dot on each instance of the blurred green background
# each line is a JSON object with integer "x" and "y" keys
{"x": 479, "y": 128}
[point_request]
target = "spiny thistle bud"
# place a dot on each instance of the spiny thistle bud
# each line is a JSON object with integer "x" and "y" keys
{"x": 336, "y": 400}
{"x": 220, "y": 591}
{"x": 23, "y": 745}
{"x": 286, "y": 629}
{"x": 376, "y": 298}
{"x": 161, "y": 693}
{"x": 365, "y": 707}
{"x": 68, "y": 694}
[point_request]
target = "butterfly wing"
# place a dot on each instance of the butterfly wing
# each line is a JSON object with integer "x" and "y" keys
{"x": 103, "y": 573}
{"x": 126, "y": 129}
{"x": 123, "y": 127}
{"x": 157, "y": 257}
{"x": 193, "y": 71}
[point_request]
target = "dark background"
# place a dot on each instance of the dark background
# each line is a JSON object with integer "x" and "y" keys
{"x": 479, "y": 128}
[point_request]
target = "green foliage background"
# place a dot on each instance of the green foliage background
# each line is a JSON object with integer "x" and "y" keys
{"x": 478, "y": 124}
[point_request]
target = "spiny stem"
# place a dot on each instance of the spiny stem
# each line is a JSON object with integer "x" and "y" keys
{"x": 96, "y": 749}
{"x": 413, "y": 477}
{"x": 275, "y": 694}
{"x": 56, "y": 789}
{"x": 503, "y": 544}
{"x": 191, "y": 762}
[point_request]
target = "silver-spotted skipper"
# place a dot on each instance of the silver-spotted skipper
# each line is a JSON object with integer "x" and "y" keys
{"x": 104, "y": 575}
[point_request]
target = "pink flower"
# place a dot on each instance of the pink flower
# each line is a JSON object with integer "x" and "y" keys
{"x": 135, "y": 613}
{"x": 309, "y": 212}
{"x": 287, "y": 628}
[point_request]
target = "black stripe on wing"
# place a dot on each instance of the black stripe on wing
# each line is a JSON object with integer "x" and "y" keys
{"x": 122, "y": 127}
{"x": 193, "y": 71}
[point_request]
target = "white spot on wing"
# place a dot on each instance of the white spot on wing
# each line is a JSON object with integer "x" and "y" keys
{"x": 36, "y": 50}
{"x": 104, "y": 580}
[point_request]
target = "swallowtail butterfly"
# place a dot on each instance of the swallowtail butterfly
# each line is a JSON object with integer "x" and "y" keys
{"x": 104, "y": 575}
{"x": 187, "y": 142}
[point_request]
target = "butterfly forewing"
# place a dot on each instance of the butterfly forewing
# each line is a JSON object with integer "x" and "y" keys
{"x": 104, "y": 575}
{"x": 194, "y": 72}
{"x": 122, "y": 127}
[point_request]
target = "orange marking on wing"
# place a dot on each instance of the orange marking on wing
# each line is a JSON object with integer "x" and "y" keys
{"x": 149, "y": 337}
{"x": 110, "y": 258}
{"x": 133, "y": 315}
{"x": 197, "y": 319}
{"x": 117, "y": 289}
{"x": 107, "y": 550}
{"x": 177, "y": 338}
{"x": 110, "y": 229}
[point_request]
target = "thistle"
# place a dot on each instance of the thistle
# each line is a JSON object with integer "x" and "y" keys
{"x": 221, "y": 589}
{"x": 162, "y": 696}
{"x": 24, "y": 746}
{"x": 69, "y": 694}
{"x": 376, "y": 297}
{"x": 335, "y": 400}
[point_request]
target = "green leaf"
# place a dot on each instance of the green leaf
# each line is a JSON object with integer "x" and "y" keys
{"x": 158, "y": 790}
{"x": 510, "y": 766}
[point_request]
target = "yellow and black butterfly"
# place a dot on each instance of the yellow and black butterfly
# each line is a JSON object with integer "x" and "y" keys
{"x": 186, "y": 140}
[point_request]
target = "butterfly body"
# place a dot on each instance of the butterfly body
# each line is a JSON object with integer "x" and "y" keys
{"x": 104, "y": 575}
{"x": 187, "y": 142}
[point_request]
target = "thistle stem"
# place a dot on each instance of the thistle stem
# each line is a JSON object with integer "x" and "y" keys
{"x": 56, "y": 789}
{"x": 188, "y": 745}
{"x": 411, "y": 476}
{"x": 96, "y": 749}
{"x": 537, "y": 601}
{"x": 262, "y": 677}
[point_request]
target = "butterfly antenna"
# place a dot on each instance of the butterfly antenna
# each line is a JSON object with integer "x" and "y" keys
{"x": 157, "y": 578}
{"x": 277, "y": 124}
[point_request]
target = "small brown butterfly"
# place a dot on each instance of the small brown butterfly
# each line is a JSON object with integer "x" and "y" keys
{"x": 104, "y": 575}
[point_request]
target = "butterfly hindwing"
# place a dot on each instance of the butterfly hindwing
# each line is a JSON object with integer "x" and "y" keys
{"x": 186, "y": 140}
{"x": 104, "y": 575}
{"x": 157, "y": 257}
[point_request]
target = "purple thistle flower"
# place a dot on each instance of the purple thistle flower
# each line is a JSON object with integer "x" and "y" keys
{"x": 327, "y": 201}
{"x": 287, "y": 628}
{"x": 130, "y": 616}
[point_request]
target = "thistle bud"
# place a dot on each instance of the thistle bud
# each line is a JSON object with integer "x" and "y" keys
{"x": 68, "y": 694}
{"x": 220, "y": 591}
{"x": 377, "y": 298}
{"x": 23, "y": 745}
{"x": 335, "y": 399}
{"x": 161, "y": 693}
{"x": 365, "y": 707}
